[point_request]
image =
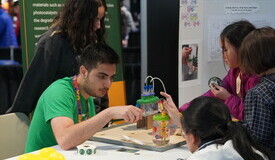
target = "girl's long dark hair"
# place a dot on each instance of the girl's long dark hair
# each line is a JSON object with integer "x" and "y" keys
{"x": 209, "y": 119}
{"x": 235, "y": 32}
{"x": 76, "y": 20}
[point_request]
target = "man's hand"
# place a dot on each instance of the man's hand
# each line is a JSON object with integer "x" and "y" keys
{"x": 68, "y": 134}
{"x": 129, "y": 113}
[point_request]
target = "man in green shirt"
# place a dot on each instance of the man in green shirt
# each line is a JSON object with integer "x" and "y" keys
{"x": 65, "y": 113}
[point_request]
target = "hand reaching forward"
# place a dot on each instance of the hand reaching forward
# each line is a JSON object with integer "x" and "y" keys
{"x": 171, "y": 108}
{"x": 129, "y": 113}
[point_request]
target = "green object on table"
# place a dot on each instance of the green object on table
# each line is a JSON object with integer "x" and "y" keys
{"x": 160, "y": 117}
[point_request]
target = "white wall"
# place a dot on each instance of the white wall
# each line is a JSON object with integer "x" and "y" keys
{"x": 213, "y": 16}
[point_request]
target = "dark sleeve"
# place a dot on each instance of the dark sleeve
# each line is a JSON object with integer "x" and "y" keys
{"x": 39, "y": 75}
{"x": 258, "y": 118}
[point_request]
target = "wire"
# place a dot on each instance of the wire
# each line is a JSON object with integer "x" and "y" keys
{"x": 145, "y": 82}
{"x": 160, "y": 82}
{"x": 147, "y": 78}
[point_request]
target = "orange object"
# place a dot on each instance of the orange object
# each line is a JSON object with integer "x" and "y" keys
{"x": 6, "y": 6}
{"x": 116, "y": 94}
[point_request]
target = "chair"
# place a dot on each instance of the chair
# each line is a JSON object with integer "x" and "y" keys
{"x": 13, "y": 133}
{"x": 10, "y": 78}
{"x": 11, "y": 73}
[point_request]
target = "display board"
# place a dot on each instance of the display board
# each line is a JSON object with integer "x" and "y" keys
{"x": 115, "y": 135}
{"x": 200, "y": 24}
{"x": 36, "y": 18}
{"x": 190, "y": 37}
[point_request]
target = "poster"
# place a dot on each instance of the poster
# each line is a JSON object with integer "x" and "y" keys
{"x": 189, "y": 61}
{"x": 189, "y": 16}
{"x": 190, "y": 55}
{"x": 217, "y": 23}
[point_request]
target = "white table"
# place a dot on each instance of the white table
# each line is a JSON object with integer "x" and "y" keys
{"x": 107, "y": 151}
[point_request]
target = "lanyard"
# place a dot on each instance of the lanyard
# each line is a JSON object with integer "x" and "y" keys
{"x": 79, "y": 109}
{"x": 238, "y": 85}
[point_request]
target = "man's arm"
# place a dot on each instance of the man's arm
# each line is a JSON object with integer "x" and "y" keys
{"x": 69, "y": 135}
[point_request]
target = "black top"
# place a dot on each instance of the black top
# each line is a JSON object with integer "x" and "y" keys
{"x": 54, "y": 59}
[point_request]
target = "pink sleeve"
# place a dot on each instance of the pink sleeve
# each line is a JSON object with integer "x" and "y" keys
{"x": 236, "y": 106}
{"x": 186, "y": 105}
{"x": 183, "y": 107}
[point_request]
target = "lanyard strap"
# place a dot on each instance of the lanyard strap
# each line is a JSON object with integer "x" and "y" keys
{"x": 77, "y": 93}
{"x": 238, "y": 85}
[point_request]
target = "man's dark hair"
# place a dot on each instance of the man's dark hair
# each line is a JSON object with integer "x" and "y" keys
{"x": 97, "y": 54}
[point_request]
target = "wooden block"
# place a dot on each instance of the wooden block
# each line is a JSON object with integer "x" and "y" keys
{"x": 149, "y": 122}
{"x": 146, "y": 122}
{"x": 141, "y": 123}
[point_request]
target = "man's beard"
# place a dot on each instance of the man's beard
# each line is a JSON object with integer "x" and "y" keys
{"x": 91, "y": 92}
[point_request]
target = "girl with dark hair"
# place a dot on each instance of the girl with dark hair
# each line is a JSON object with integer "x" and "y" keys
{"x": 257, "y": 54}
{"x": 210, "y": 132}
{"x": 81, "y": 31}
{"x": 235, "y": 84}
{"x": 78, "y": 24}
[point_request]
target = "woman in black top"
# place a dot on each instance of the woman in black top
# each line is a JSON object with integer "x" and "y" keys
{"x": 57, "y": 50}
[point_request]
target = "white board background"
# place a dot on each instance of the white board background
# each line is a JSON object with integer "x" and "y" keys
{"x": 213, "y": 16}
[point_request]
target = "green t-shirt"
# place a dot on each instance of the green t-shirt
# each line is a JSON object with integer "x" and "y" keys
{"x": 57, "y": 100}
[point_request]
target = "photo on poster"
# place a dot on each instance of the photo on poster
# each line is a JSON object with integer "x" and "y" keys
{"x": 189, "y": 61}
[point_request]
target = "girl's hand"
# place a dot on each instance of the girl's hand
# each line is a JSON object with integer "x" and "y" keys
{"x": 186, "y": 51}
{"x": 219, "y": 92}
{"x": 171, "y": 108}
